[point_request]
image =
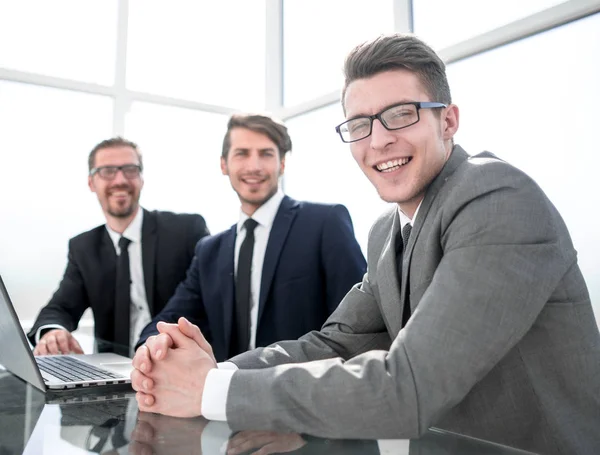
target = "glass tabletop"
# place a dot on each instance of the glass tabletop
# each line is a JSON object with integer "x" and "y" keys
{"x": 107, "y": 421}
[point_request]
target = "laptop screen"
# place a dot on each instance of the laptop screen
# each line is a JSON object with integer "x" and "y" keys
{"x": 15, "y": 353}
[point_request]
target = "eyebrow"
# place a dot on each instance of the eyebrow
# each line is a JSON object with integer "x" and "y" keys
{"x": 395, "y": 103}
{"x": 247, "y": 149}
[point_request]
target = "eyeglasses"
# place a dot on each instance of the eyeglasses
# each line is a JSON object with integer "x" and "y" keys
{"x": 130, "y": 171}
{"x": 393, "y": 118}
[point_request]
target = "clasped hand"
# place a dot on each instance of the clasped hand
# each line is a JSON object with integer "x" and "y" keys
{"x": 171, "y": 368}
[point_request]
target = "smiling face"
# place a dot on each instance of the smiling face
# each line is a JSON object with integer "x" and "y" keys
{"x": 400, "y": 164}
{"x": 119, "y": 198}
{"x": 253, "y": 166}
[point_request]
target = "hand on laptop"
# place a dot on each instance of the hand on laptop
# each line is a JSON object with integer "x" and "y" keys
{"x": 169, "y": 374}
{"x": 57, "y": 341}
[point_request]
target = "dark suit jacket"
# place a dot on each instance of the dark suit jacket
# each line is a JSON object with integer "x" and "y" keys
{"x": 168, "y": 241}
{"x": 311, "y": 261}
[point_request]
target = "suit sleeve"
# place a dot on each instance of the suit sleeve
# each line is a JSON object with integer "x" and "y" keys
{"x": 68, "y": 303}
{"x": 187, "y": 301}
{"x": 504, "y": 254}
{"x": 342, "y": 260}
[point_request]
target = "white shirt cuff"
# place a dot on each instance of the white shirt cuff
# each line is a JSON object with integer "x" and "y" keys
{"x": 50, "y": 326}
{"x": 216, "y": 388}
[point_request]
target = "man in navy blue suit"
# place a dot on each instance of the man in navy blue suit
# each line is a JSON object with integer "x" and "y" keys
{"x": 281, "y": 270}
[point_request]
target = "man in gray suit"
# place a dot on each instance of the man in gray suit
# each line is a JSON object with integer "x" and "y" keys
{"x": 478, "y": 321}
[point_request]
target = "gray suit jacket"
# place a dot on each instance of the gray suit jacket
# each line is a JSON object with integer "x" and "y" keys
{"x": 502, "y": 343}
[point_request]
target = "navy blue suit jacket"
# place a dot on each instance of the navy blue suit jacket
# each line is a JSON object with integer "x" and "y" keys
{"x": 311, "y": 261}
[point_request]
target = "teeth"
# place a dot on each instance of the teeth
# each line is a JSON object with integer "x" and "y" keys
{"x": 392, "y": 164}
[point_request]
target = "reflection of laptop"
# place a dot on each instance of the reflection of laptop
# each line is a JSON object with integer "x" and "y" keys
{"x": 54, "y": 372}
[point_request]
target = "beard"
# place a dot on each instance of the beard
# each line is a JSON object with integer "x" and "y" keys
{"x": 122, "y": 212}
{"x": 126, "y": 209}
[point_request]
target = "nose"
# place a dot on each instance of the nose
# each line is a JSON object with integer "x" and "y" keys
{"x": 254, "y": 162}
{"x": 380, "y": 137}
{"x": 120, "y": 178}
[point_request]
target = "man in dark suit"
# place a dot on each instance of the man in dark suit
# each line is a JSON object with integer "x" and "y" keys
{"x": 159, "y": 247}
{"x": 303, "y": 260}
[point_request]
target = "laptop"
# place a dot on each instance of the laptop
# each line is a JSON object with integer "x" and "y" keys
{"x": 54, "y": 372}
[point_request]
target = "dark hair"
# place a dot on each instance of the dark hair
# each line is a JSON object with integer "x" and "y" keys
{"x": 113, "y": 142}
{"x": 272, "y": 128}
{"x": 398, "y": 51}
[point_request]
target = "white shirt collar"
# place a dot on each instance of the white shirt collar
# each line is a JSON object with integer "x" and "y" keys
{"x": 265, "y": 214}
{"x": 405, "y": 219}
{"x": 133, "y": 232}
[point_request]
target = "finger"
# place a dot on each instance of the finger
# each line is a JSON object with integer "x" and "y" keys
{"x": 141, "y": 382}
{"x": 52, "y": 345}
{"x": 178, "y": 338}
{"x": 62, "y": 341}
{"x": 145, "y": 401}
{"x": 74, "y": 346}
{"x": 141, "y": 360}
{"x": 193, "y": 331}
{"x": 41, "y": 348}
{"x": 162, "y": 343}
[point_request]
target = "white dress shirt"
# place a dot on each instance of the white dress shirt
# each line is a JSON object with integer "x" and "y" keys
{"x": 216, "y": 386}
{"x": 264, "y": 216}
{"x": 139, "y": 311}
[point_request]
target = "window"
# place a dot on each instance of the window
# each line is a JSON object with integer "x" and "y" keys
{"x": 63, "y": 38}
{"x": 46, "y": 137}
{"x": 442, "y": 23}
{"x": 317, "y": 36}
{"x": 182, "y": 150}
{"x": 541, "y": 114}
{"x": 209, "y": 52}
{"x": 320, "y": 168}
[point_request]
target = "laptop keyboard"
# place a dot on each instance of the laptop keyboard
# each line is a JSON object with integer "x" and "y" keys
{"x": 70, "y": 370}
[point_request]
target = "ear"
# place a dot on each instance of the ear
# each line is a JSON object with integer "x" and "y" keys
{"x": 451, "y": 121}
{"x": 282, "y": 166}
{"x": 224, "y": 169}
{"x": 91, "y": 184}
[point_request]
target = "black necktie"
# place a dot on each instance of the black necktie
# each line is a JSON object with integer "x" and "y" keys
{"x": 401, "y": 242}
{"x": 122, "y": 298}
{"x": 242, "y": 288}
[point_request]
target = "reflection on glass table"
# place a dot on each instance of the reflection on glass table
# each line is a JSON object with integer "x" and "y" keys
{"x": 108, "y": 421}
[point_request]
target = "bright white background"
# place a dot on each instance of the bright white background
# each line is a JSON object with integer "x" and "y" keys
{"x": 167, "y": 76}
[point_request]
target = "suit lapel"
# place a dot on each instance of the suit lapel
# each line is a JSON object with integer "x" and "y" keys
{"x": 281, "y": 226}
{"x": 225, "y": 267}
{"x": 387, "y": 276}
{"x": 149, "y": 237}
{"x": 457, "y": 157}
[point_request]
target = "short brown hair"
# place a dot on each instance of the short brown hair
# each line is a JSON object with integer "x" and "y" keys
{"x": 398, "y": 51}
{"x": 113, "y": 142}
{"x": 270, "y": 127}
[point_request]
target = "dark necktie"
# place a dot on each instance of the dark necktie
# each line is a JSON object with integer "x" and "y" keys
{"x": 401, "y": 242}
{"x": 242, "y": 288}
{"x": 122, "y": 298}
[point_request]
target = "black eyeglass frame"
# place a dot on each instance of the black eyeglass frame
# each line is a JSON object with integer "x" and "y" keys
{"x": 417, "y": 104}
{"x": 123, "y": 168}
